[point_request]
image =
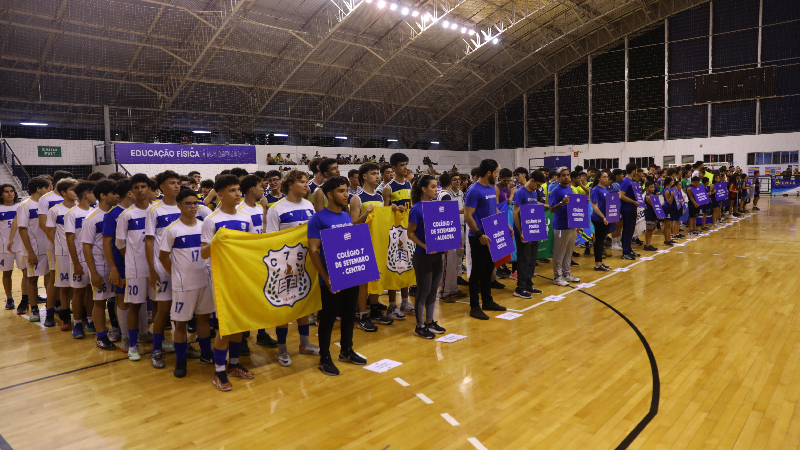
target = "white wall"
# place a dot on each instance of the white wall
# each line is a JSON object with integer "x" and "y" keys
{"x": 77, "y": 153}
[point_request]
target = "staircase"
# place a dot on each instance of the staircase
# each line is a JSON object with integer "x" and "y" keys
{"x": 11, "y": 170}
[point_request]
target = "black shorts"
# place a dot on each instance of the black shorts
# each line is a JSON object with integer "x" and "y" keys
{"x": 693, "y": 210}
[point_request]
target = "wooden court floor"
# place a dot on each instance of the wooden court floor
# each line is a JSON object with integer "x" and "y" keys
{"x": 720, "y": 314}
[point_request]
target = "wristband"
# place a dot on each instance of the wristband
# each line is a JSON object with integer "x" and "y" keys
{"x": 480, "y": 234}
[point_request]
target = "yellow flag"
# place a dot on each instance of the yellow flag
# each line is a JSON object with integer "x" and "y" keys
{"x": 262, "y": 280}
{"x": 393, "y": 249}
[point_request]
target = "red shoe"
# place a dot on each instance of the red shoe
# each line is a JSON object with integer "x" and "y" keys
{"x": 513, "y": 276}
{"x": 66, "y": 326}
{"x": 238, "y": 371}
{"x": 222, "y": 384}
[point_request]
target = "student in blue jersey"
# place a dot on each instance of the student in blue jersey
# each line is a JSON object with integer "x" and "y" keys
{"x": 73, "y": 227}
{"x": 317, "y": 177}
{"x": 361, "y": 205}
{"x": 329, "y": 168}
{"x": 427, "y": 265}
{"x": 650, "y": 217}
{"x": 526, "y": 194}
{"x": 46, "y": 202}
{"x": 628, "y": 210}
{"x": 481, "y": 202}
{"x": 708, "y": 207}
{"x": 397, "y": 194}
{"x": 563, "y": 235}
{"x": 56, "y": 235}
{"x": 670, "y": 209}
{"x": 756, "y": 190}
{"x": 598, "y": 198}
{"x": 226, "y": 216}
{"x": 334, "y": 303}
{"x": 34, "y": 248}
{"x": 179, "y": 254}
{"x": 91, "y": 239}
{"x": 273, "y": 193}
{"x": 291, "y": 211}
{"x": 159, "y": 217}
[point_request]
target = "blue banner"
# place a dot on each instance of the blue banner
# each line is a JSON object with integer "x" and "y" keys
{"x": 781, "y": 186}
{"x": 501, "y": 244}
{"x": 137, "y": 153}
{"x": 533, "y": 223}
{"x": 577, "y": 215}
{"x": 349, "y": 256}
{"x": 442, "y": 226}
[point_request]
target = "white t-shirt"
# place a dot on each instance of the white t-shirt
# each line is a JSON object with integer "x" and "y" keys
{"x": 218, "y": 219}
{"x": 46, "y": 203}
{"x": 256, "y": 214}
{"x": 203, "y": 211}
{"x": 7, "y": 214}
{"x": 285, "y": 214}
{"x": 130, "y": 236}
{"x": 55, "y": 219}
{"x": 159, "y": 217}
{"x": 73, "y": 223}
{"x": 28, "y": 218}
{"x": 188, "y": 268}
{"x": 92, "y": 234}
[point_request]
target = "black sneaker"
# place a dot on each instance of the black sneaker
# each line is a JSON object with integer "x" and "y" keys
{"x": 22, "y": 308}
{"x": 266, "y": 340}
{"x": 629, "y": 257}
{"x": 245, "y": 349}
{"x": 365, "y": 324}
{"x": 533, "y": 291}
{"x": 602, "y": 268}
{"x": 669, "y": 243}
{"x": 381, "y": 306}
{"x": 573, "y": 263}
{"x": 192, "y": 325}
{"x": 327, "y": 367}
{"x": 352, "y": 357}
{"x": 492, "y": 306}
{"x": 424, "y": 333}
{"x": 477, "y": 313}
{"x": 607, "y": 267}
{"x": 650, "y": 248}
{"x": 461, "y": 282}
{"x": 105, "y": 344}
{"x": 575, "y": 254}
{"x": 207, "y": 359}
{"x": 635, "y": 255}
{"x": 49, "y": 321}
{"x": 435, "y": 328}
{"x": 522, "y": 293}
{"x": 543, "y": 260}
{"x": 180, "y": 368}
{"x": 10, "y": 304}
{"x": 497, "y": 285}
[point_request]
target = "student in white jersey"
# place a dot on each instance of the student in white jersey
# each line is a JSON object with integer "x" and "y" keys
{"x": 292, "y": 211}
{"x": 361, "y": 205}
{"x": 8, "y": 211}
{"x": 57, "y": 236}
{"x": 73, "y": 227}
{"x": 387, "y": 175}
{"x": 159, "y": 217}
{"x": 130, "y": 242}
{"x": 317, "y": 177}
{"x": 46, "y": 202}
{"x": 15, "y": 246}
{"x": 273, "y": 193}
{"x": 329, "y": 168}
{"x": 226, "y": 216}
{"x": 91, "y": 238}
{"x": 34, "y": 247}
{"x": 179, "y": 253}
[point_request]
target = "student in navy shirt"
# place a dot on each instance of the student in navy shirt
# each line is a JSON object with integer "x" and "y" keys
{"x": 427, "y": 265}
{"x": 563, "y": 235}
{"x": 340, "y": 303}
{"x": 527, "y": 194}
{"x": 598, "y": 198}
{"x": 481, "y": 202}
{"x": 627, "y": 198}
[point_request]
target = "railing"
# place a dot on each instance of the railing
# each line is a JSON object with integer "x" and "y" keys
{"x": 9, "y": 158}
{"x": 124, "y": 170}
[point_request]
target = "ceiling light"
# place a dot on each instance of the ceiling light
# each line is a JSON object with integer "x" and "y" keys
{"x": 381, "y": 4}
{"x": 33, "y": 124}
{"x": 435, "y": 142}
{"x": 427, "y": 16}
{"x": 201, "y": 132}
{"x": 453, "y": 26}
{"x": 344, "y": 138}
{"x": 280, "y": 135}
{"x": 393, "y": 6}
{"x": 404, "y": 11}
{"x": 414, "y": 13}
{"x": 495, "y": 41}
{"x": 368, "y": 1}
{"x": 391, "y": 140}
{"x": 463, "y": 30}
{"x": 445, "y": 24}
{"x": 471, "y": 32}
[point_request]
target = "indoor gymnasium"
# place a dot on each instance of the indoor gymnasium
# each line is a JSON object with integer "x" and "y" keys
{"x": 399, "y": 224}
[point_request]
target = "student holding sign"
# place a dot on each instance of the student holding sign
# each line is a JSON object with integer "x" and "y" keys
{"x": 563, "y": 236}
{"x": 599, "y": 220}
{"x": 481, "y": 202}
{"x": 427, "y": 265}
{"x": 527, "y": 194}
{"x": 650, "y": 217}
{"x": 670, "y": 210}
{"x": 627, "y": 196}
{"x": 334, "y": 303}
{"x": 694, "y": 206}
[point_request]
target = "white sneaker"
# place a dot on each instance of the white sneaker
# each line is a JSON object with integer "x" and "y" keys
{"x": 396, "y": 314}
{"x": 125, "y": 344}
{"x": 166, "y": 347}
{"x": 114, "y": 335}
{"x": 615, "y": 246}
{"x": 560, "y": 282}
{"x": 284, "y": 359}
{"x": 407, "y": 307}
{"x": 572, "y": 279}
{"x": 309, "y": 349}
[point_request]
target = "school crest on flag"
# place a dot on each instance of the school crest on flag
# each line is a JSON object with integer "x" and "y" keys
{"x": 288, "y": 281}
{"x": 393, "y": 249}
{"x": 398, "y": 255}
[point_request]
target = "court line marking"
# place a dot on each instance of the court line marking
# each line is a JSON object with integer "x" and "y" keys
{"x": 477, "y": 444}
{"x": 450, "y": 419}
{"x": 402, "y": 382}
{"x": 424, "y": 398}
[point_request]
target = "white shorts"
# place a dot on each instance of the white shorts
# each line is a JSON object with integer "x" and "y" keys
{"x": 185, "y": 304}
{"x": 6, "y": 262}
{"x": 81, "y": 281}
{"x": 41, "y": 268}
{"x": 63, "y": 271}
{"x": 21, "y": 260}
{"x": 104, "y": 292}
{"x": 163, "y": 290}
{"x": 136, "y": 290}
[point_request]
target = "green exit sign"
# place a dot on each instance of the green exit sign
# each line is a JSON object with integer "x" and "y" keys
{"x": 49, "y": 152}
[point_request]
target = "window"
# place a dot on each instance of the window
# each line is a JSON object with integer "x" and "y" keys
{"x": 669, "y": 160}
{"x": 687, "y": 159}
{"x": 757, "y": 159}
{"x": 645, "y": 162}
{"x": 718, "y": 158}
{"x": 601, "y": 163}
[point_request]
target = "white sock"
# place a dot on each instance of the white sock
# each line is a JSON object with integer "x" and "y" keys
{"x": 234, "y": 361}
{"x": 219, "y": 368}
{"x": 122, "y": 317}
{"x": 406, "y": 300}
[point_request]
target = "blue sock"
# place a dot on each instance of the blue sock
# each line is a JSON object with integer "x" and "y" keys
{"x": 281, "y": 333}
{"x": 262, "y": 332}
{"x": 205, "y": 345}
{"x": 158, "y": 338}
{"x": 133, "y": 336}
{"x": 303, "y": 330}
{"x": 180, "y": 350}
{"x": 101, "y": 334}
{"x": 51, "y": 312}
{"x": 234, "y": 348}
{"x": 220, "y": 357}
{"x": 149, "y": 305}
